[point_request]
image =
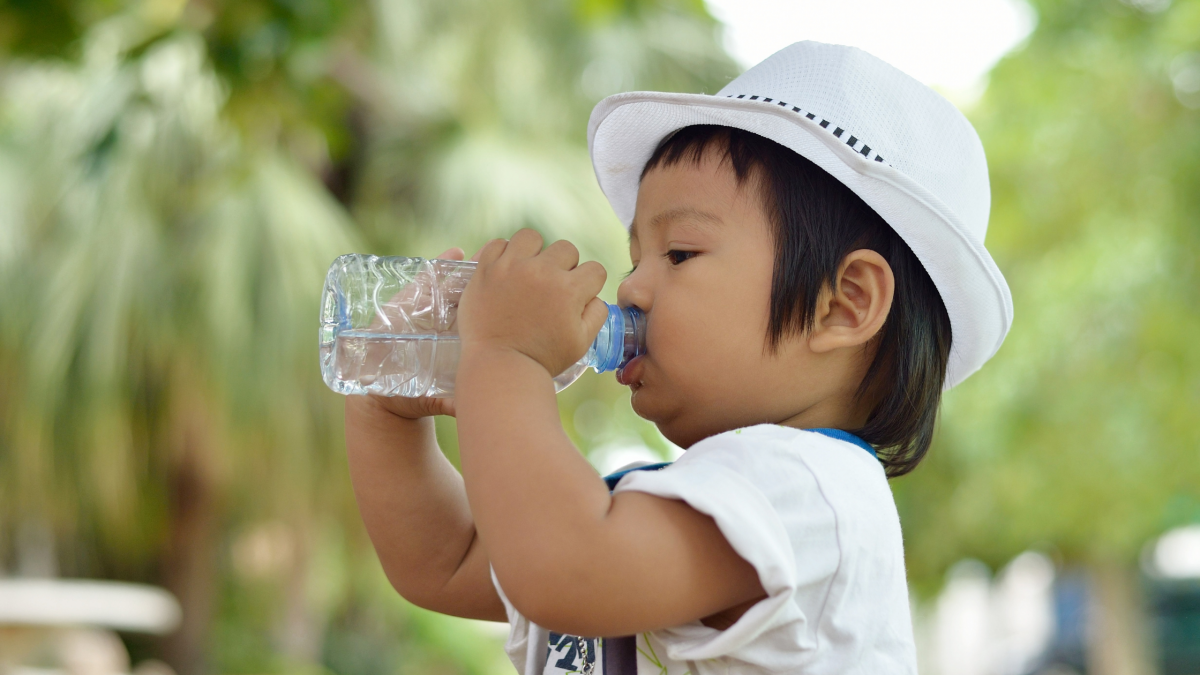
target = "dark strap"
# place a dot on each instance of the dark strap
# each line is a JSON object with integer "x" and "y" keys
{"x": 620, "y": 656}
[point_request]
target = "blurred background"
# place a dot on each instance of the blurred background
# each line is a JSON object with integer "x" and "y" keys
{"x": 177, "y": 175}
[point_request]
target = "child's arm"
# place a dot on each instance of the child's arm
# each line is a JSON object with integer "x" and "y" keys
{"x": 568, "y": 555}
{"x": 413, "y": 504}
{"x": 415, "y": 508}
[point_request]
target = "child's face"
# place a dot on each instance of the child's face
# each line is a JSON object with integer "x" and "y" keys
{"x": 703, "y": 257}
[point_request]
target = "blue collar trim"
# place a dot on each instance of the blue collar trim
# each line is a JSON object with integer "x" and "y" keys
{"x": 613, "y": 478}
{"x": 846, "y": 436}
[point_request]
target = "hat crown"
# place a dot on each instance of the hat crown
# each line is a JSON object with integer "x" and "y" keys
{"x": 912, "y": 128}
{"x": 906, "y": 151}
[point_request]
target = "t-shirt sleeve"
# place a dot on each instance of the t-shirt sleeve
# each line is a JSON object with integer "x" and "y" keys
{"x": 526, "y": 643}
{"x": 769, "y": 506}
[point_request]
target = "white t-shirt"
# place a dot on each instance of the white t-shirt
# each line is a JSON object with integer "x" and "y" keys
{"x": 815, "y": 517}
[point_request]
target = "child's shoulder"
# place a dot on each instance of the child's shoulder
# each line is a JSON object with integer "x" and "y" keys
{"x": 774, "y": 469}
{"x": 792, "y": 468}
{"x": 766, "y": 445}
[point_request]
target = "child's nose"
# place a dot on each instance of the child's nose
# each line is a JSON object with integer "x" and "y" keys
{"x": 634, "y": 292}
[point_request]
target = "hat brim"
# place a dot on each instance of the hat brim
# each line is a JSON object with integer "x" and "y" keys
{"x": 625, "y": 129}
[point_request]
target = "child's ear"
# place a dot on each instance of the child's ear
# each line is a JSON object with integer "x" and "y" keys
{"x": 854, "y": 310}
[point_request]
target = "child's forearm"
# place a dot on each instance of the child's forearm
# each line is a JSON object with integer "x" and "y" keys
{"x": 415, "y": 509}
{"x": 537, "y": 502}
{"x": 569, "y": 556}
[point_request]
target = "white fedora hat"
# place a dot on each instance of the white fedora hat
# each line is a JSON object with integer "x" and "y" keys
{"x": 905, "y": 150}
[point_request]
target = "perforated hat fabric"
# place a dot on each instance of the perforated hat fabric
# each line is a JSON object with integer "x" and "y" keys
{"x": 901, "y": 147}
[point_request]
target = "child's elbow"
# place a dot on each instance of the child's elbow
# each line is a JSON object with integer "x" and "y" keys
{"x": 414, "y": 589}
{"x": 553, "y": 613}
{"x": 531, "y": 591}
{"x": 550, "y": 598}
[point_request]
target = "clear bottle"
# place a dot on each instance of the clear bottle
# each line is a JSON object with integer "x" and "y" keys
{"x": 388, "y": 327}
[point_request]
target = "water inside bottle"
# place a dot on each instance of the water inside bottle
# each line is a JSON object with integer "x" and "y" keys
{"x": 408, "y": 365}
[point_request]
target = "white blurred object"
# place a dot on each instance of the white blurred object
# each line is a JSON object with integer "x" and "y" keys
{"x": 616, "y": 456}
{"x": 626, "y": 452}
{"x": 71, "y": 651}
{"x": 985, "y": 626}
{"x": 107, "y": 604}
{"x": 1185, "y": 77}
{"x": 1023, "y": 610}
{"x": 962, "y": 621}
{"x": 1177, "y": 553}
{"x": 88, "y": 651}
{"x": 948, "y": 44}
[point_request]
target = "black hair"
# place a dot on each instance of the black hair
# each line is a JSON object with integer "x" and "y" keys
{"x": 818, "y": 221}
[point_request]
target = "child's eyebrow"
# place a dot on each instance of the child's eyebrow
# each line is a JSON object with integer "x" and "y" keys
{"x": 704, "y": 218}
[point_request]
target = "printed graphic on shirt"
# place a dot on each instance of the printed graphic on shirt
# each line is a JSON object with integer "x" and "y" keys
{"x": 570, "y": 654}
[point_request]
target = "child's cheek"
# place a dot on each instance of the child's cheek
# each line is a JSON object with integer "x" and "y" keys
{"x": 689, "y": 350}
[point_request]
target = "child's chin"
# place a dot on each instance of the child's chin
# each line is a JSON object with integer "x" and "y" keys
{"x": 648, "y": 405}
{"x": 641, "y": 402}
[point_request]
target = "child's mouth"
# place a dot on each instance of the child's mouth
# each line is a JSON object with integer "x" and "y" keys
{"x": 631, "y": 374}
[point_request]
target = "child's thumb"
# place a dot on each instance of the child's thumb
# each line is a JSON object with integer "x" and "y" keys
{"x": 595, "y": 313}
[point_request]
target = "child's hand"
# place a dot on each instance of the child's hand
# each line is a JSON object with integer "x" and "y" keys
{"x": 413, "y": 408}
{"x": 541, "y": 304}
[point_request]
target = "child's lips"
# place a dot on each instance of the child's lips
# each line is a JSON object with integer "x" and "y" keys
{"x": 631, "y": 374}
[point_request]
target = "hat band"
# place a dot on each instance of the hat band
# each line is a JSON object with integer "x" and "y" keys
{"x": 858, "y": 145}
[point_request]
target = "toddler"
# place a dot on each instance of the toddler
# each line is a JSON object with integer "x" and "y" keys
{"x": 807, "y": 245}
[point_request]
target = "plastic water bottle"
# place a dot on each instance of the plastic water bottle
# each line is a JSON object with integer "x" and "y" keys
{"x": 388, "y": 327}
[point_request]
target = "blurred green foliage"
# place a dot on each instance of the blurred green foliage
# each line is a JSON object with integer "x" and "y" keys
{"x": 1080, "y": 436}
{"x": 176, "y": 178}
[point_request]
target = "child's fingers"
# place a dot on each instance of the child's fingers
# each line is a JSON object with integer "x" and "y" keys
{"x": 415, "y": 408}
{"x": 526, "y": 243}
{"x": 563, "y": 253}
{"x": 491, "y": 251}
{"x": 454, "y": 253}
{"x": 589, "y": 278}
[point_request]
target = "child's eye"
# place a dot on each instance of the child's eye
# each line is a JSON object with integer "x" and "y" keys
{"x": 676, "y": 256}
{"x": 631, "y": 271}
